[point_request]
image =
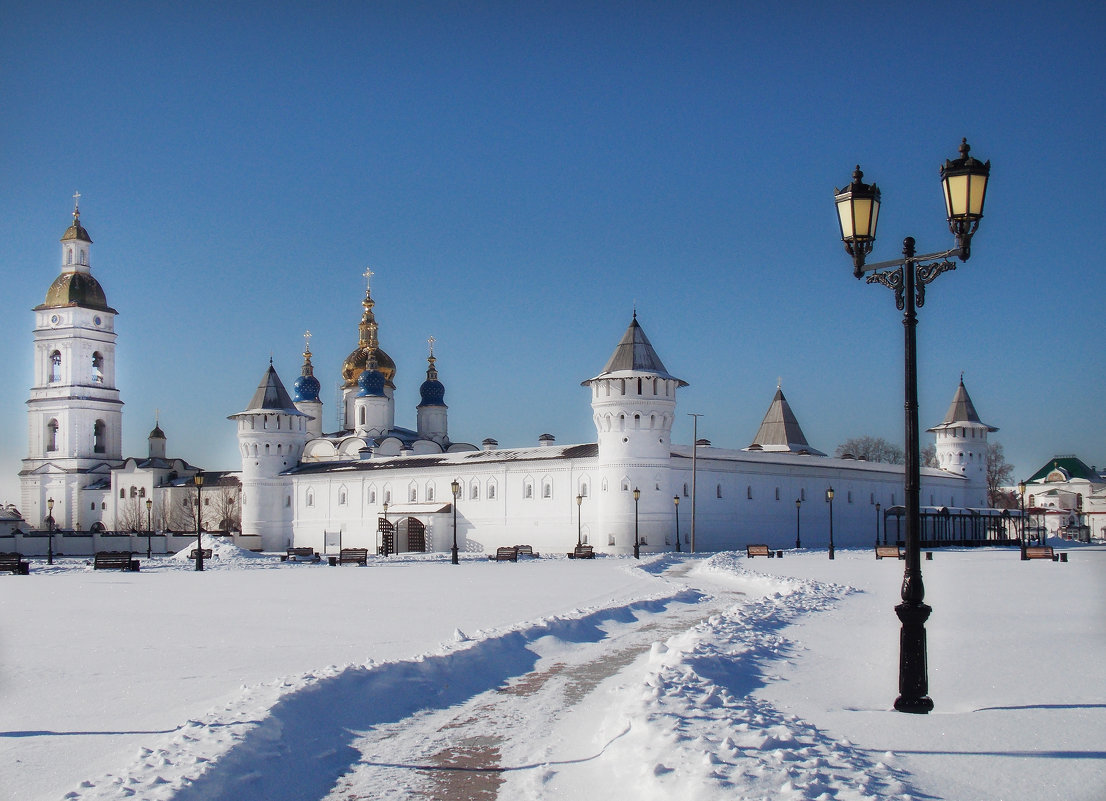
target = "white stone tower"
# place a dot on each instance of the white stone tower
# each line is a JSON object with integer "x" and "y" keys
{"x": 305, "y": 391}
{"x": 962, "y": 446}
{"x": 271, "y": 436}
{"x": 433, "y": 423}
{"x": 74, "y": 414}
{"x": 372, "y": 408}
{"x": 633, "y": 403}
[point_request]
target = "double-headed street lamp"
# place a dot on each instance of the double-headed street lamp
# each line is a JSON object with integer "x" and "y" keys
{"x": 456, "y": 487}
{"x": 50, "y": 529}
{"x": 676, "y": 503}
{"x": 199, "y": 479}
{"x": 829, "y": 500}
{"x": 637, "y": 542}
{"x": 798, "y": 542}
{"x": 149, "y": 528}
{"x": 964, "y": 183}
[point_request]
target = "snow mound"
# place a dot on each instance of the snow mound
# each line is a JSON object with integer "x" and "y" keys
{"x": 223, "y": 552}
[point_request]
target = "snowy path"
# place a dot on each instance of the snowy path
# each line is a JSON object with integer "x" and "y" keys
{"x": 645, "y": 699}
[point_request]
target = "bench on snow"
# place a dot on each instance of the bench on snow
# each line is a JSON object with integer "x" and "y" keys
{"x": 505, "y": 554}
{"x": 114, "y": 560}
{"x": 296, "y": 553}
{"x": 205, "y": 553}
{"x": 1042, "y": 552}
{"x": 14, "y": 563}
{"x": 527, "y": 550}
{"x": 582, "y": 552}
{"x": 761, "y": 550}
{"x": 351, "y": 556}
{"x": 890, "y": 552}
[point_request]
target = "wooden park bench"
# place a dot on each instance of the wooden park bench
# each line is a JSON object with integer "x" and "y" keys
{"x": 206, "y": 553}
{"x": 114, "y": 560}
{"x": 14, "y": 563}
{"x": 507, "y": 553}
{"x": 890, "y": 552}
{"x": 762, "y": 550}
{"x": 296, "y": 553}
{"x": 582, "y": 552}
{"x": 527, "y": 550}
{"x": 1042, "y": 552}
{"x": 351, "y": 556}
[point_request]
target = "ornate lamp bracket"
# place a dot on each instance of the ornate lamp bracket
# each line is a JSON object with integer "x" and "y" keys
{"x": 892, "y": 279}
{"x": 925, "y": 274}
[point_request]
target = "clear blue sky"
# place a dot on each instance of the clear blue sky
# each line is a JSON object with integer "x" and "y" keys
{"x": 520, "y": 175}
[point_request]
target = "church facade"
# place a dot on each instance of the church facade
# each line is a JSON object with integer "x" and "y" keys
{"x": 374, "y": 484}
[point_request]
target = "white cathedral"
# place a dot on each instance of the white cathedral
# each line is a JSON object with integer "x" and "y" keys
{"x": 300, "y": 486}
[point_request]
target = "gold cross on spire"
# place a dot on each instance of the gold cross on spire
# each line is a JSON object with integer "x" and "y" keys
{"x": 430, "y": 342}
{"x": 368, "y": 276}
{"x": 307, "y": 340}
{"x": 76, "y": 202}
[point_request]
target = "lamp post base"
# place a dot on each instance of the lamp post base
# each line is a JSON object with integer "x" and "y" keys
{"x": 454, "y": 558}
{"x": 913, "y": 675}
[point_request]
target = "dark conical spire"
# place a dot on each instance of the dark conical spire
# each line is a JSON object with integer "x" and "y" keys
{"x": 961, "y": 411}
{"x": 780, "y": 430}
{"x": 271, "y": 396}
{"x": 635, "y": 353}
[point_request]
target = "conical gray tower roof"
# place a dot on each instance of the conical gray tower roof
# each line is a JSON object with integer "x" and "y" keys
{"x": 961, "y": 412}
{"x": 272, "y": 397}
{"x": 635, "y": 354}
{"x": 780, "y": 430}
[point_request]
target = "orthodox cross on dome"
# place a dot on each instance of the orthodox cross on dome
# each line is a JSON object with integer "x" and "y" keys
{"x": 76, "y": 205}
{"x": 307, "y": 343}
{"x": 430, "y": 342}
{"x": 368, "y": 276}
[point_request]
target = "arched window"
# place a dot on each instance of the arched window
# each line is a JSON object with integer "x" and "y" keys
{"x": 429, "y": 492}
{"x": 55, "y": 367}
{"x": 361, "y": 416}
{"x": 98, "y": 445}
{"x": 474, "y": 492}
{"x": 69, "y": 255}
{"x": 122, "y": 493}
{"x": 141, "y": 492}
{"x": 718, "y": 491}
{"x": 584, "y": 490}
{"x": 134, "y": 492}
{"x": 342, "y": 497}
{"x": 685, "y": 489}
{"x": 491, "y": 490}
{"x": 413, "y": 494}
{"x": 97, "y": 368}
{"x": 52, "y": 435}
{"x": 310, "y": 500}
{"x": 777, "y": 493}
{"x": 748, "y": 491}
{"x": 547, "y": 489}
{"x": 528, "y": 489}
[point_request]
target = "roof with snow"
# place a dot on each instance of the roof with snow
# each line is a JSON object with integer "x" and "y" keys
{"x": 961, "y": 412}
{"x": 780, "y": 430}
{"x": 635, "y": 354}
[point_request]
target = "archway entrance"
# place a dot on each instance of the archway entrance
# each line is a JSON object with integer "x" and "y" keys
{"x": 411, "y": 535}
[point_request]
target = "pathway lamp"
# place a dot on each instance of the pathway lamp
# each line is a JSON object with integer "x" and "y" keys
{"x": 149, "y": 528}
{"x": 877, "y": 528}
{"x": 676, "y": 503}
{"x": 384, "y": 534}
{"x": 579, "y": 522}
{"x": 798, "y": 504}
{"x": 50, "y": 530}
{"x": 1021, "y": 534}
{"x": 199, "y": 479}
{"x": 456, "y": 487}
{"x": 829, "y": 500}
{"x": 964, "y": 186}
{"x": 637, "y": 542}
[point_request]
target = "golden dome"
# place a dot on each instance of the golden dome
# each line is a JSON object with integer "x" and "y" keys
{"x": 76, "y": 289}
{"x": 356, "y": 362}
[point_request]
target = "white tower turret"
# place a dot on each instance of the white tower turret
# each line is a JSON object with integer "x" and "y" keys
{"x": 271, "y": 436}
{"x": 75, "y": 416}
{"x": 372, "y": 409}
{"x": 962, "y": 446}
{"x": 633, "y": 403}
{"x": 431, "y": 412}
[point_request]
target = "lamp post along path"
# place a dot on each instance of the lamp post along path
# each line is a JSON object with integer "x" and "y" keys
{"x": 456, "y": 487}
{"x": 50, "y": 529}
{"x": 676, "y": 503}
{"x": 637, "y": 541}
{"x": 964, "y": 184}
{"x": 199, "y": 479}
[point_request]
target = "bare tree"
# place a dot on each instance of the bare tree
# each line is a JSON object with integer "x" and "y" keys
{"x": 999, "y": 472}
{"x": 182, "y": 516}
{"x": 130, "y": 515}
{"x": 224, "y": 508}
{"x": 872, "y": 449}
{"x": 929, "y": 456}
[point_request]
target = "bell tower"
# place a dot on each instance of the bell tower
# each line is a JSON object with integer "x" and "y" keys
{"x": 75, "y": 416}
{"x": 962, "y": 446}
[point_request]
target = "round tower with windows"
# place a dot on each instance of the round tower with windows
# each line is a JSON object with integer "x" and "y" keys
{"x": 633, "y": 403}
{"x": 962, "y": 447}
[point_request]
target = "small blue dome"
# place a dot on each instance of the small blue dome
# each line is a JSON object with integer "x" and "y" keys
{"x": 371, "y": 383}
{"x": 433, "y": 393}
{"x": 306, "y": 388}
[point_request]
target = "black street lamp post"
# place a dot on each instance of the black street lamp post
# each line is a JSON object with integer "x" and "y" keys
{"x": 456, "y": 487}
{"x": 579, "y": 521}
{"x": 384, "y": 535}
{"x": 964, "y": 182}
{"x": 798, "y": 542}
{"x": 1021, "y": 534}
{"x": 637, "y": 542}
{"x": 829, "y": 500}
{"x": 199, "y": 479}
{"x": 877, "y": 527}
{"x": 676, "y": 503}
{"x": 50, "y": 529}
{"x": 149, "y": 528}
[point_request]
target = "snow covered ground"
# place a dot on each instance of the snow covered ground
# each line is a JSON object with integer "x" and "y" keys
{"x": 703, "y": 677}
